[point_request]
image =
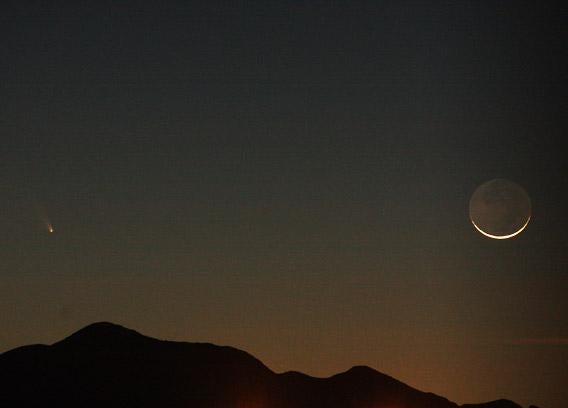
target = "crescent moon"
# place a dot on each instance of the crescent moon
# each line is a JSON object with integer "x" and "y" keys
{"x": 502, "y": 236}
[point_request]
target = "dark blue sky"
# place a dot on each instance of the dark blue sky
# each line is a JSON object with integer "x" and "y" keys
{"x": 292, "y": 179}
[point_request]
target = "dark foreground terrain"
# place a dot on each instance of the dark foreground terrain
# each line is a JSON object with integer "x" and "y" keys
{"x": 105, "y": 365}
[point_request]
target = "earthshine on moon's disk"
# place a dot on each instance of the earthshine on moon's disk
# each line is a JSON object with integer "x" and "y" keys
{"x": 500, "y": 209}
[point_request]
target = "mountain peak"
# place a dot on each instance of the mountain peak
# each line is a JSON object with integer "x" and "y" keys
{"x": 362, "y": 371}
{"x": 104, "y": 333}
{"x": 502, "y": 403}
{"x": 105, "y": 328}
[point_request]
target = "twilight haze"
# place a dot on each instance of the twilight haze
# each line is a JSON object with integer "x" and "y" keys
{"x": 291, "y": 179}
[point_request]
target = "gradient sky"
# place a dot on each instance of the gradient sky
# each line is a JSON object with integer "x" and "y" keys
{"x": 292, "y": 179}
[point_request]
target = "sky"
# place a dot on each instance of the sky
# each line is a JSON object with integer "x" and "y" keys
{"x": 292, "y": 179}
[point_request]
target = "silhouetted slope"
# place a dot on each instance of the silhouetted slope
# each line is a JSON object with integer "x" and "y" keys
{"x": 494, "y": 404}
{"x": 105, "y": 365}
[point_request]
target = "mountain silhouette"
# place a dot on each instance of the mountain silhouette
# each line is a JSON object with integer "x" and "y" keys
{"x": 106, "y": 365}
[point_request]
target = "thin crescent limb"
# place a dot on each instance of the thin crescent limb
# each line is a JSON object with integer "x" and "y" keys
{"x": 502, "y": 236}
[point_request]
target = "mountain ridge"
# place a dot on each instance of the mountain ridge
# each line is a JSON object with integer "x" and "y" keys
{"x": 105, "y": 364}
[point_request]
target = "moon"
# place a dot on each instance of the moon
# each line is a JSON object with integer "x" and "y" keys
{"x": 500, "y": 209}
